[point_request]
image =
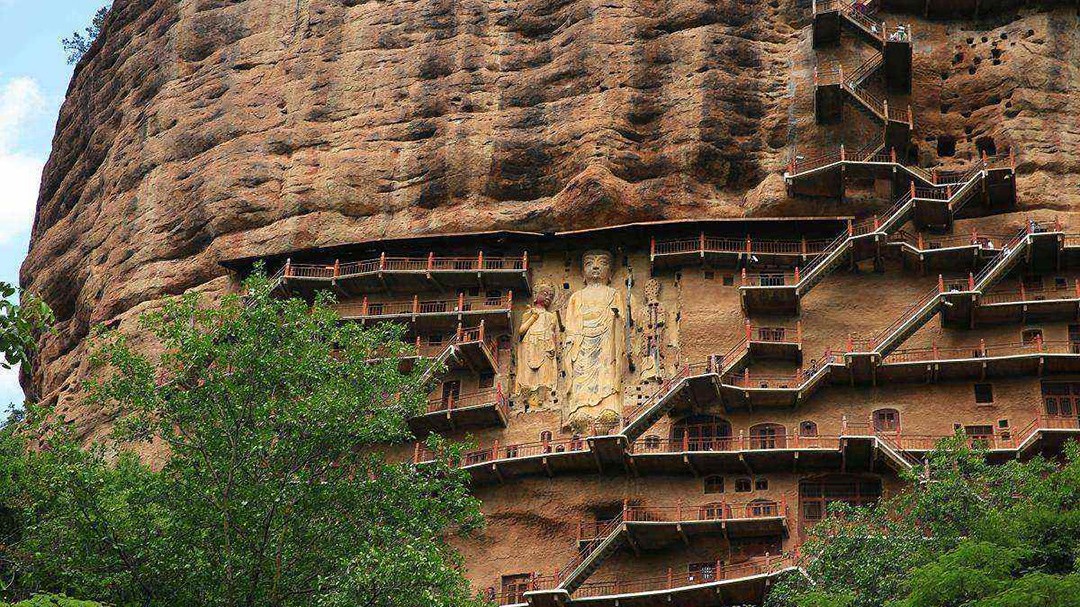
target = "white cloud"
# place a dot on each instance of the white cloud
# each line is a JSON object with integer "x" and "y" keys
{"x": 20, "y": 101}
{"x": 10, "y": 390}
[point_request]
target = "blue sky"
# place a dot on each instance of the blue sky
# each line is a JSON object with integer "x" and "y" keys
{"x": 33, "y": 78}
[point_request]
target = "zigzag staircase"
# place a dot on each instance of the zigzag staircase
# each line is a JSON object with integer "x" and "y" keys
{"x": 950, "y": 197}
{"x": 884, "y": 342}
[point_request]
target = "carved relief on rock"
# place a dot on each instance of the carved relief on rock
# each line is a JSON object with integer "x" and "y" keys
{"x": 537, "y": 371}
{"x": 653, "y": 325}
{"x": 594, "y": 350}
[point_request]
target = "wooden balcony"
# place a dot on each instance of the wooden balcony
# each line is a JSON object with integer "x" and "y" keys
{"x": 720, "y": 251}
{"x": 981, "y": 362}
{"x": 503, "y": 461}
{"x": 489, "y": 408}
{"x": 735, "y": 455}
{"x": 429, "y": 315}
{"x": 410, "y": 274}
{"x": 727, "y": 584}
{"x": 750, "y": 391}
{"x": 774, "y": 293}
{"x": 1045, "y": 435}
{"x": 775, "y": 342}
{"x": 933, "y": 252}
{"x": 656, "y": 527}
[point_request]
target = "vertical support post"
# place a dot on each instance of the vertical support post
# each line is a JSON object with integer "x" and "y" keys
{"x": 430, "y": 262}
{"x": 940, "y": 283}
{"x": 652, "y": 248}
{"x": 382, "y": 261}
{"x": 337, "y": 268}
{"x": 843, "y": 153}
{"x": 461, "y": 301}
{"x": 933, "y": 346}
{"x": 892, "y": 154}
{"x": 288, "y": 268}
{"x": 850, "y": 229}
{"x": 415, "y": 305}
{"x": 797, "y": 279}
{"x": 364, "y": 306}
{"x": 971, "y": 281}
{"x": 701, "y": 242}
{"x": 749, "y": 331}
{"x": 982, "y": 347}
{"x": 525, "y": 261}
{"x": 742, "y": 280}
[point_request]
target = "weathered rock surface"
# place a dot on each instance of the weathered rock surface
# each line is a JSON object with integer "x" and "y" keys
{"x": 197, "y": 130}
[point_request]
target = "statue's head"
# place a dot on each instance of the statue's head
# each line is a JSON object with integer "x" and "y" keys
{"x": 545, "y": 294}
{"x": 596, "y": 265}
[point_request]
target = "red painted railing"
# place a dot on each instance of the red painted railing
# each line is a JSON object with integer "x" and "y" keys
{"x": 491, "y": 396}
{"x": 374, "y": 309}
{"x": 657, "y": 445}
{"x": 674, "y": 581}
{"x": 982, "y": 350}
{"x": 384, "y": 263}
{"x": 682, "y": 513}
{"x": 505, "y": 451}
{"x": 711, "y": 244}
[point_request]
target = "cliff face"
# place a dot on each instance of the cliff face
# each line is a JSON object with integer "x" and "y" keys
{"x": 197, "y": 130}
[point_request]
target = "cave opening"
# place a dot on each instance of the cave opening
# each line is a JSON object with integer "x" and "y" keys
{"x": 946, "y": 145}
{"x": 986, "y": 145}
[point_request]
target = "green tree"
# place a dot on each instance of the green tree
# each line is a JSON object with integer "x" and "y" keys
{"x": 19, "y": 322}
{"x": 78, "y": 44}
{"x": 286, "y": 481}
{"x": 964, "y": 533}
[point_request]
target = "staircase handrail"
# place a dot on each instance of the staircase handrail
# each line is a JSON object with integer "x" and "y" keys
{"x": 662, "y": 390}
{"x": 611, "y": 528}
{"x": 865, "y": 69}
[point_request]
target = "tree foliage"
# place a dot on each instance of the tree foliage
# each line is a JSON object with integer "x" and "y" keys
{"x": 79, "y": 43}
{"x": 965, "y": 533}
{"x": 19, "y": 322}
{"x": 286, "y": 481}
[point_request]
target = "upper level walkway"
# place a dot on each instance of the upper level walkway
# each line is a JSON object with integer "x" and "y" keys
{"x": 859, "y": 447}
{"x": 410, "y": 274}
{"x": 433, "y": 314}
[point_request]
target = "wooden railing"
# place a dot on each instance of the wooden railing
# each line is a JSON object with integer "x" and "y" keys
{"x": 999, "y": 440}
{"x": 711, "y": 244}
{"x": 975, "y": 239}
{"x": 1023, "y": 294}
{"x": 673, "y": 581}
{"x": 682, "y": 513}
{"x": 506, "y": 451}
{"x": 416, "y": 306}
{"x": 490, "y": 396}
{"x": 385, "y": 263}
{"x": 657, "y": 445}
{"x": 982, "y": 350}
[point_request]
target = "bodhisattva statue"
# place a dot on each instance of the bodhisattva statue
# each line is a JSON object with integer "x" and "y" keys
{"x": 594, "y": 348}
{"x": 537, "y": 371}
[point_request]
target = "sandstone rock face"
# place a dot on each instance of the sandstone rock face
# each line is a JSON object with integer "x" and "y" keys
{"x": 198, "y": 130}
